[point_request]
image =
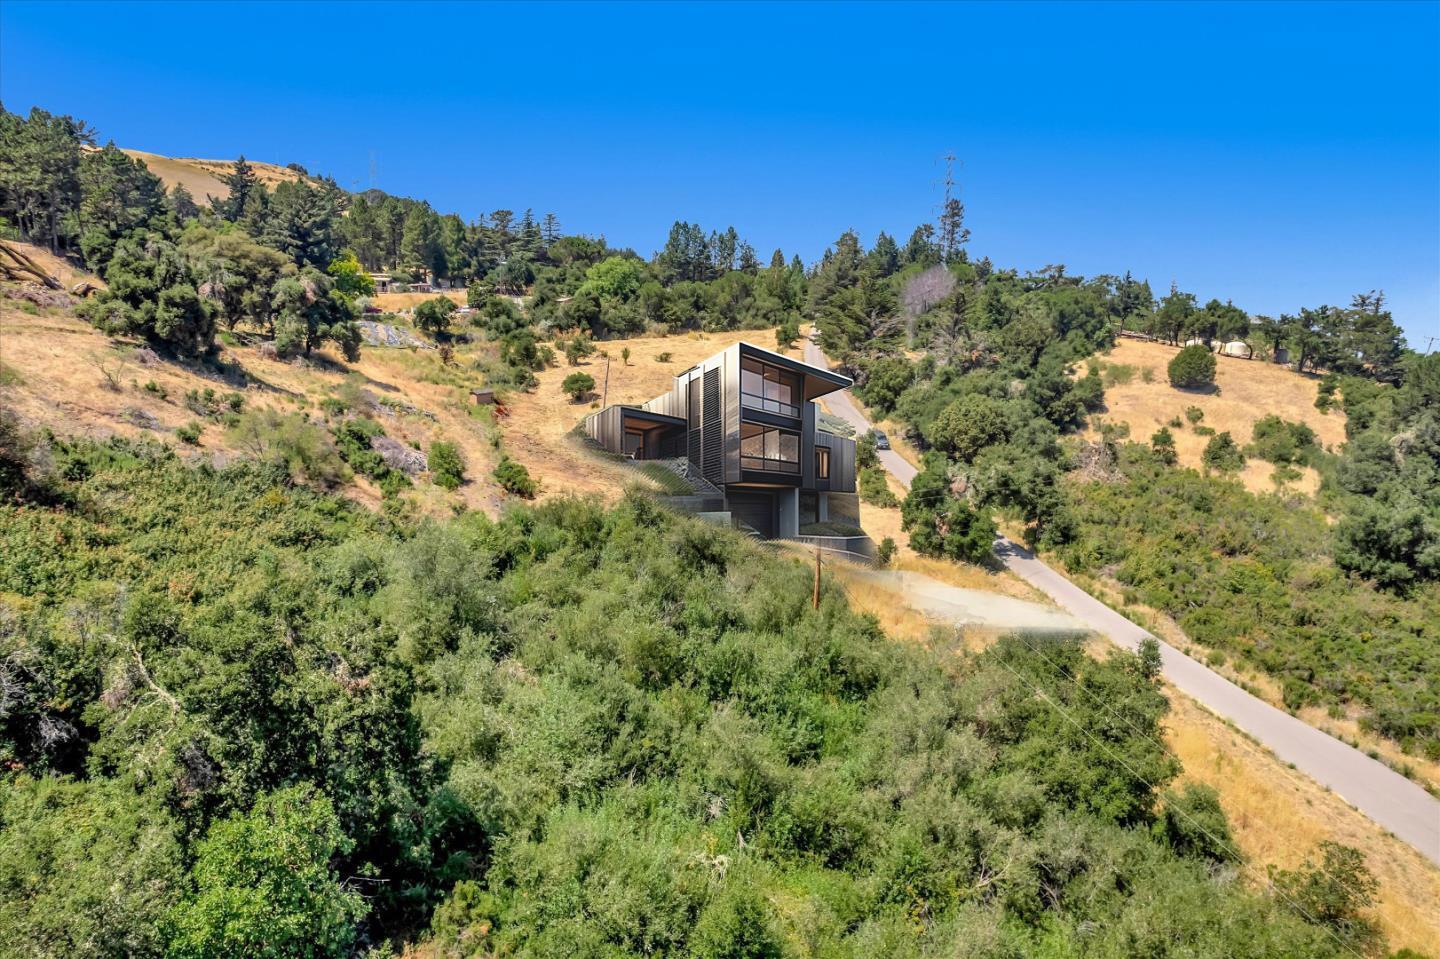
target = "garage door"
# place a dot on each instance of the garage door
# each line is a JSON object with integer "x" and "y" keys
{"x": 756, "y": 510}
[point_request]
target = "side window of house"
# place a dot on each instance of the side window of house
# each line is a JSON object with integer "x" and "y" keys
{"x": 822, "y": 463}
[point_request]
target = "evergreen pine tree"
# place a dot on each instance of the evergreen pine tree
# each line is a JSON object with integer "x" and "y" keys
{"x": 242, "y": 182}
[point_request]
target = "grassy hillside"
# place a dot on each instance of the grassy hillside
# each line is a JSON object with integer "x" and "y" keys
{"x": 60, "y": 371}
{"x": 1139, "y": 395}
{"x": 202, "y": 177}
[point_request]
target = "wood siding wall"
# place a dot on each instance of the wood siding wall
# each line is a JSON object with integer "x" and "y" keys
{"x": 842, "y": 461}
{"x": 605, "y": 428}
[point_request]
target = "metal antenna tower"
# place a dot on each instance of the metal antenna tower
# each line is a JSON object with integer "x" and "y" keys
{"x": 947, "y": 240}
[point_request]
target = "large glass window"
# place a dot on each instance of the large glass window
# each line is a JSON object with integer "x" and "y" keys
{"x": 769, "y": 388}
{"x": 767, "y": 448}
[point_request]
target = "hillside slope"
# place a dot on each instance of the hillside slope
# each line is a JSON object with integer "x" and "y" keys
{"x": 202, "y": 177}
{"x": 1248, "y": 390}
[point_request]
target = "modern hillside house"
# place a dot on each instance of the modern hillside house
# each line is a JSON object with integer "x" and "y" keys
{"x": 744, "y": 422}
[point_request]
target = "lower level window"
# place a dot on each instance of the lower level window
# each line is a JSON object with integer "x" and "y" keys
{"x": 768, "y": 448}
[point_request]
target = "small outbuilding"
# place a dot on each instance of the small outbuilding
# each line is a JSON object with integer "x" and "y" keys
{"x": 1238, "y": 348}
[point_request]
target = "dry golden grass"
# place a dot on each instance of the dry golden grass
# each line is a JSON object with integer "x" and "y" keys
{"x": 202, "y": 177}
{"x": 58, "y": 267}
{"x": 896, "y": 618}
{"x": 1249, "y": 389}
{"x": 395, "y": 302}
{"x": 1278, "y": 816}
{"x": 62, "y": 387}
{"x": 970, "y": 576}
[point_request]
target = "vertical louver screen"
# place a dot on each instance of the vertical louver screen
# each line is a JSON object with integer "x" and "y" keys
{"x": 692, "y": 416}
{"x": 712, "y": 430}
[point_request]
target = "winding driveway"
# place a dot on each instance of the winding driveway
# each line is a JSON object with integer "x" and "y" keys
{"x": 1386, "y": 797}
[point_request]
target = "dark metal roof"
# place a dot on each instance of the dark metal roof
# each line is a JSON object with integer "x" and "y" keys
{"x": 636, "y": 413}
{"x": 818, "y": 381}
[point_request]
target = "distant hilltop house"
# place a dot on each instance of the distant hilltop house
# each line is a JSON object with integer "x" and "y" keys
{"x": 386, "y": 283}
{"x": 744, "y": 421}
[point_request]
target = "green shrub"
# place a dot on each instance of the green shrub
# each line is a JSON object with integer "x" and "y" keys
{"x": 1089, "y": 391}
{"x": 968, "y": 425}
{"x": 353, "y": 438}
{"x": 577, "y": 386}
{"x": 303, "y": 448}
{"x": 941, "y": 524}
{"x": 574, "y": 730}
{"x": 264, "y": 885}
{"x": 663, "y": 357}
{"x": 214, "y": 406}
{"x": 1119, "y": 374}
{"x": 1284, "y": 473}
{"x": 1335, "y": 893}
{"x": 874, "y": 489}
{"x": 447, "y": 468}
{"x": 190, "y": 432}
{"x": 1222, "y": 455}
{"x": 1281, "y": 441}
{"x": 155, "y": 389}
{"x": 433, "y": 315}
{"x": 1163, "y": 443}
{"x": 1193, "y": 414}
{"x": 787, "y": 333}
{"x": 866, "y": 456}
{"x": 87, "y": 868}
{"x": 514, "y": 478}
{"x": 1192, "y": 368}
{"x": 577, "y": 348}
{"x": 1192, "y": 823}
{"x": 885, "y": 551}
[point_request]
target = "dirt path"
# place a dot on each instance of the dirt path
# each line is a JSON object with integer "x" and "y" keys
{"x": 971, "y": 607}
{"x": 1386, "y": 797}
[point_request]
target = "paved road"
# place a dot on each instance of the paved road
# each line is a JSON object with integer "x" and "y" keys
{"x": 1386, "y": 797}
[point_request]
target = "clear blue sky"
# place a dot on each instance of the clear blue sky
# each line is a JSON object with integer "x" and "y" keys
{"x": 1278, "y": 155}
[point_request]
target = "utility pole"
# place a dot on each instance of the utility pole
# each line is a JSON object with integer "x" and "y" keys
{"x": 815, "y": 602}
{"x": 605, "y": 393}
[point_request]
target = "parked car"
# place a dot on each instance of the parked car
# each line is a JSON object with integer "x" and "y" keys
{"x": 882, "y": 442}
